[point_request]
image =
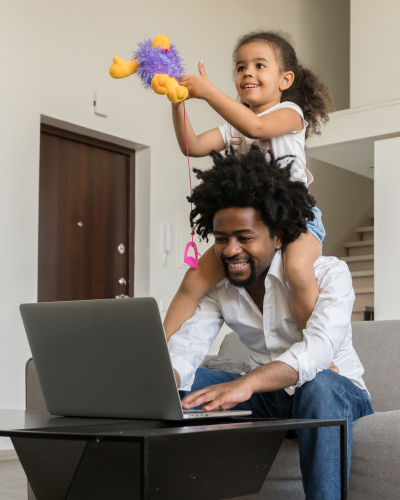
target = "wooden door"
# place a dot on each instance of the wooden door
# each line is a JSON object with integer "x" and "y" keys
{"x": 86, "y": 218}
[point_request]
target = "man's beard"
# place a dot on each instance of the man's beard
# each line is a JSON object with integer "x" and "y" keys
{"x": 241, "y": 283}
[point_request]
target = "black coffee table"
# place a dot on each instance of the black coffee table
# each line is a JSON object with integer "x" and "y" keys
{"x": 113, "y": 459}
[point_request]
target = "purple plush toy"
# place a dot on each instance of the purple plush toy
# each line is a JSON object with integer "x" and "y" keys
{"x": 158, "y": 65}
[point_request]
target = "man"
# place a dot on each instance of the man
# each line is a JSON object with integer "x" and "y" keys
{"x": 253, "y": 210}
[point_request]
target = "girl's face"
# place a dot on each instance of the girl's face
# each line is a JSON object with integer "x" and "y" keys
{"x": 259, "y": 80}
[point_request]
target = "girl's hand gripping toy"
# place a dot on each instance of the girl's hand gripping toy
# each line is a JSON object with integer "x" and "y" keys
{"x": 158, "y": 65}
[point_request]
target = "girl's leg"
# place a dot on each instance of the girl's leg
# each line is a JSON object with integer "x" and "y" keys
{"x": 299, "y": 258}
{"x": 195, "y": 284}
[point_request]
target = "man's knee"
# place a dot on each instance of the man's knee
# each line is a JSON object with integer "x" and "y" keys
{"x": 316, "y": 398}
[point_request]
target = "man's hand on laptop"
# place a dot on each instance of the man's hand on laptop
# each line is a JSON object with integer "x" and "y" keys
{"x": 267, "y": 378}
{"x": 221, "y": 396}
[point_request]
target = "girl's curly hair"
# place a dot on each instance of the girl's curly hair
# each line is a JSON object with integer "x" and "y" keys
{"x": 256, "y": 180}
{"x": 307, "y": 90}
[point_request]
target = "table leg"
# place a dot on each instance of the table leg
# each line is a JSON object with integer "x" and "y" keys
{"x": 343, "y": 460}
{"x": 60, "y": 469}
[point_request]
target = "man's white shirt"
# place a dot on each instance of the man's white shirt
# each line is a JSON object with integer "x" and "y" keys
{"x": 274, "y": 335}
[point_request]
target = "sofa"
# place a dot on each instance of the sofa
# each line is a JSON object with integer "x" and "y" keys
{"x": 375, "y": 467}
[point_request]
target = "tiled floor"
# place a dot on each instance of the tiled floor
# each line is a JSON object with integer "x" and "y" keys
{"x": 12, "y": 481}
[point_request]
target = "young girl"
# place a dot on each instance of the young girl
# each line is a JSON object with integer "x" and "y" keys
{"x": 281, "y": 99}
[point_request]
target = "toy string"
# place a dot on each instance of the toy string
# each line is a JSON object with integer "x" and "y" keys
{"x": 187, "y": 152}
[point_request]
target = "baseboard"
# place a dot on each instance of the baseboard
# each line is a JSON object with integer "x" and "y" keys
{"x": 8, "y": 455}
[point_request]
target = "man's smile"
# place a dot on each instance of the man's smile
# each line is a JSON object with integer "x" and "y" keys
{"x": 237, "y": 266}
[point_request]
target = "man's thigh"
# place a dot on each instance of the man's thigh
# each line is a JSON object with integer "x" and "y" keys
{"x": 276, "y": 404}
{"x": 331, "y": 395}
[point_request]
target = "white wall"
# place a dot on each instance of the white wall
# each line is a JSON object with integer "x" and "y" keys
{"x": 343, "y": 198}
{"x": 375, "y": 41}
{"x": 54, "y": 55}
{"x": 325, "y": 42}
{"x": 387, "y": 235}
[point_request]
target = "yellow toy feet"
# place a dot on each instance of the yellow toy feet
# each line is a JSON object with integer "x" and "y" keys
{"x": 162, "y": 84}
{"x": 178, "y": 94}
{"x": 121, "y": 68}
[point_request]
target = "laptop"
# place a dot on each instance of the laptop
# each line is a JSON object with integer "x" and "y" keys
{"x": 106, "y": 358}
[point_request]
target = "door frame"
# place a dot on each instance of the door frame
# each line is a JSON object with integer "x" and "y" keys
{"x": 73, "y": 136}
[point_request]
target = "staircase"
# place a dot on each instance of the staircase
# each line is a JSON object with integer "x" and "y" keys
{"x": 358, "y": 252}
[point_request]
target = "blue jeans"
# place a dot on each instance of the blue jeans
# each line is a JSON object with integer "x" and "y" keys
{"x": 328, "y": 396}
{"x": 316, "y": 227}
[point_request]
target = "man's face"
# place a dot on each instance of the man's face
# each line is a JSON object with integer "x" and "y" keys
{"x": 243, "y": 244}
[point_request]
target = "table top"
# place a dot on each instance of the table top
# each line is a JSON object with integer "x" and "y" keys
{"x": 28, "y": 423}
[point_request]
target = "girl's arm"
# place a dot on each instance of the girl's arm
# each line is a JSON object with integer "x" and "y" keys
{"x": 200, "y": 145}
{"x": 279, "y": 122}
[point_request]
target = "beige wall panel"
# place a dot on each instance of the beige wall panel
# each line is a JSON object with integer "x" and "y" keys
{"x": 375, "y": 41}
{"x": 343, "y": 198}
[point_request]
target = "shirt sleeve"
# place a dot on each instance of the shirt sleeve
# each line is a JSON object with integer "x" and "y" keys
{"x": 189, "y": 345}
{"x": 327, "y": 327}
{"x": 226, "y": 133}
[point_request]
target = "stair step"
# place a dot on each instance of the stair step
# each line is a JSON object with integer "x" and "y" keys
{"x": 368, "y": 289}
{"x": 362, "y": 313}
{"x": 359, "y": 262}
{"x": 362, "y": 274}
{"x": 364, "y": 299}
{"x": 356, "y": 244}
{"x": 357, "y": 258}
{"x": 365, "y": 229}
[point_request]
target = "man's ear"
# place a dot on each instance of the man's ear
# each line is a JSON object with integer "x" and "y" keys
{"x": 278, "y": 241}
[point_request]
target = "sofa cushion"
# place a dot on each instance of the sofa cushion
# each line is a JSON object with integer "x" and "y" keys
{"x": 377, "y": 344}
{"x": 229, "y": 365}
{"x": 34, "y": 395}
{"x": 376, "y": 457}
{"x": 231, "y": 347}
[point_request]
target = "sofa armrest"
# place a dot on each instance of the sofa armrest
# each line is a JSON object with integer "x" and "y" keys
{"x": 33, "y": 391}
{"x": 375, "y": 462}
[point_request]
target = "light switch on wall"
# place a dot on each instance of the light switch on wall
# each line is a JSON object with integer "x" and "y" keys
{"x": 100, "y": 103}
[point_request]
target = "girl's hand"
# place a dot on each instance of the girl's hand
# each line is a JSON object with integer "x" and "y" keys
{"x": 198, "y": 86}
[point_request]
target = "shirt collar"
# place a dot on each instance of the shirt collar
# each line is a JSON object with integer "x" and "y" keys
{"x": 276, "y": 269}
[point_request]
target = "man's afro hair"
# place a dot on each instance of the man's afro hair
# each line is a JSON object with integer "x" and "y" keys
{"x": 254, "y": 179}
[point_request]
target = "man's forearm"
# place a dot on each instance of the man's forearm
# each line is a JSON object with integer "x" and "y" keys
{"x": 272, "y": 377}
